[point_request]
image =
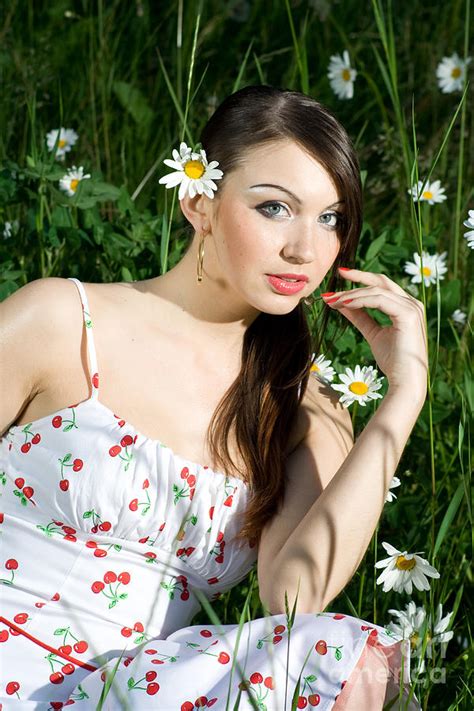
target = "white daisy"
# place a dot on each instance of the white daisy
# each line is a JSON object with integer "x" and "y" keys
{"x": 459, "y": 317}
{"x": 440, "y": 636}
{"x": 359, "y": 385}
{"x": 71, "y": 180}
{"x": 403, "y": 570}
{"x": 341, "y": 75}
{"x": 390, "y": 495}
{"x": 67, "y": 138}
{"x": 433, "y": 265}
{"x": 433, "y": 192}
{"x": 470, "y": 235}
{"x": 10, "y": 228}
{"x": 409, "y": 623}
{"x": 321, "y": 368}
{"x": 451, "y": 72}
{"x": 193, "y": 171}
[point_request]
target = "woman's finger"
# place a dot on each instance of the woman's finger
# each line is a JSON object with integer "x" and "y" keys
{"x": 373, "y": 279}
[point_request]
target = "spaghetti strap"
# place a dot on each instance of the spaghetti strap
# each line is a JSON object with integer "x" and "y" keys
{"x": 91, "y": 352}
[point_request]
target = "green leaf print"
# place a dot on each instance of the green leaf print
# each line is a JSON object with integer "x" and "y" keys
{"x": 131, "y": 682}
{"x": 338, "y": 654}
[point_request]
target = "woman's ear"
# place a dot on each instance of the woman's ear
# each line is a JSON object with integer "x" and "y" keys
{"x": 197, "y": 211}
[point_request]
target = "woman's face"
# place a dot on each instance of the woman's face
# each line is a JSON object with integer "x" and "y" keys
{"x": 258, "y": 228}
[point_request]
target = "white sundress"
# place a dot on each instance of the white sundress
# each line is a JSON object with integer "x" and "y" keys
{"x": 107, "y": 537}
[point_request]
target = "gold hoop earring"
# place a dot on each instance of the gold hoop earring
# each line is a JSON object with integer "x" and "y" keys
{"x": 200, "y": 258}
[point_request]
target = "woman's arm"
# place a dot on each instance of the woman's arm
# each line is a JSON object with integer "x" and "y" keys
{"x": 327, "y": 546}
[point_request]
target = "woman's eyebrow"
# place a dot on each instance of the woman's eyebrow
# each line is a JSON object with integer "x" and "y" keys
{"x": 285, "y": 190}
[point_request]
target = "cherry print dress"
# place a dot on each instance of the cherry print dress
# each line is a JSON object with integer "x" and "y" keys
{"x": 108, "y": 538}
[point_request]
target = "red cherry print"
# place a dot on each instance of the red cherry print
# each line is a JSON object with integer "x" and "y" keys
{"x": 91, "y": 544}
{"x": 12, "y": 687}
{"x": 126, "y": 440}
{"x": 212, "y": 581}
{"x": 77, "y": 465}
{"x": 65, "y": 649}
{"x": 191, "y": 480}
{"x": 184, "y": 473}
{"x": 220, "y": 537}
{"x": 98, "y": 586}
{"x": 372, "y": 639}
{"x": 56, "y": 678}
{"x": 269, "y": 682}
{"x": 58, "y": 523}
{"x": 279, "y": 629}
{"x": 228, "y": 501}
{"x": 256, "y": 678}
{"x": 36, "y": 439}
{"x": 11, "y": 564}
{"x": 124, "y": 578}
{"x": 4, "y": 636}
{"x": 68, "y": 669}
{"x": 56, "y": 705}
{"x": 151, "y": 676}
{"x": 364, "y": 627}
{"x": 100, "y": 553}
{"x": 314, "y": 699}
{"x": 57, "y": 421}
{"x": 182, "y": 579}
{"x": 21, "y": 618}
{"x": 110, "y": 577}
{"x": 211, "y": 702}
{"x": 68, "y": 529}
{"x": 321, "y": 647}
{"x": 223, "y": 658}
{"x": 152, "y": 689}
{"x": 180, "y": 551}
{"x": 187, "y": 706}
{"x": 162, "y": 526}
{"x": 55, "y": 597}
{"x": 150, "y": 651}
{"x": 121, "y": 423}
{"x": 70, "y": 538}
{"x": 14, "y": 632}
{"x": 1, "y": 517}
{"x": 302, "y": 702}
{"x": 189, "y": 550}
{"x": 64, "y": 484}
{"x": 219, "y": 558}
{"x": 338, "y": 616}
{"x": 105, "y": 526}
{"x": 201, "y": 702}
{"x": 20, "y": 482}
{"x": 126, "y": 632}
{"x": 138, "y": 627}
{"x": 25, "y": 447}
{"x": 211, "y": 512}
{"x": 133, "y": 505}
{"x": 134, "y": 440}
{"x": 146, "y": 484}
{"x": 277, "y": 639}
{"x": 191, "y": 494}
{"x": 95, "y": 380}
{"x": 116, "y": 449}
{"x": 205, "y": 633}
{"x": 185, "y": 595}
{"x": 150, "y": 555}
{"x": 81, "y": 646}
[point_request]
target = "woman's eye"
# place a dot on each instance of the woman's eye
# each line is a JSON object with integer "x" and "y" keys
{"x": 333, "y": 215}
{"x": 267, "y": 211}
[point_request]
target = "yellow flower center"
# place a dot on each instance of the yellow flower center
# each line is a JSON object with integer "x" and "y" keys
{"x": 405, "y": 564}
{"x": 346, "y": 75}
{"x": 427, "y": 195}
{"x": 426, "y": 271}
{"x": 358, "y": 387}
{"x": 194, "y": 169}
{"x": 74, "y": 184}
{"x": 456, "y": 72}
{"x": 315, "y": 367}
{"x": 62, "y": 143}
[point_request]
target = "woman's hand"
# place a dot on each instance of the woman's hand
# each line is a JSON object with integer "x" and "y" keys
{"x": 400, "y": 350}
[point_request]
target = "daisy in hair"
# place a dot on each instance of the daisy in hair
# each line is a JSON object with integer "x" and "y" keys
{"x": 71, "y": 180}
{"x": 342, "y": 75}
{"x": 358, "y": 385}
{"x": 320, "y": 368}
{"x": 470, "y": 235}
{"x": 403, "y": 570}
{"x": 433, "y": 192}
{"x": 434, "y": 266}
{"x": 67, "y": 138}
{"x": 192, "y": 172}
{"x": 450, "y": 73}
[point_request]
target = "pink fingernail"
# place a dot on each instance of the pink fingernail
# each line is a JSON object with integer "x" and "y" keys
{"x": 345, "y": 269}
{"x": 347, "y": 301}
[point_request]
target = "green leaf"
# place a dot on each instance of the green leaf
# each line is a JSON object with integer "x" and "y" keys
{"x": 376, "y": 246}
{"x": 134, "y": 102}
{"x": 448, "y": 517}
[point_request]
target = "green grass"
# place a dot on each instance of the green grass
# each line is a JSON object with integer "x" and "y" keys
{"x": 133, "y": 81}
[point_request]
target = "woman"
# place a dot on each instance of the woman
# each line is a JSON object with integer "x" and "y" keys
{"x": 114, "y": 528}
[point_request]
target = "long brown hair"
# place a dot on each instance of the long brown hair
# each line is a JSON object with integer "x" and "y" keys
{"x": 262, "y": 403}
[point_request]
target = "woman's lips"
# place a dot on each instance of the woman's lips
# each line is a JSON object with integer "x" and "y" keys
{"x": 285, "y": 287}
